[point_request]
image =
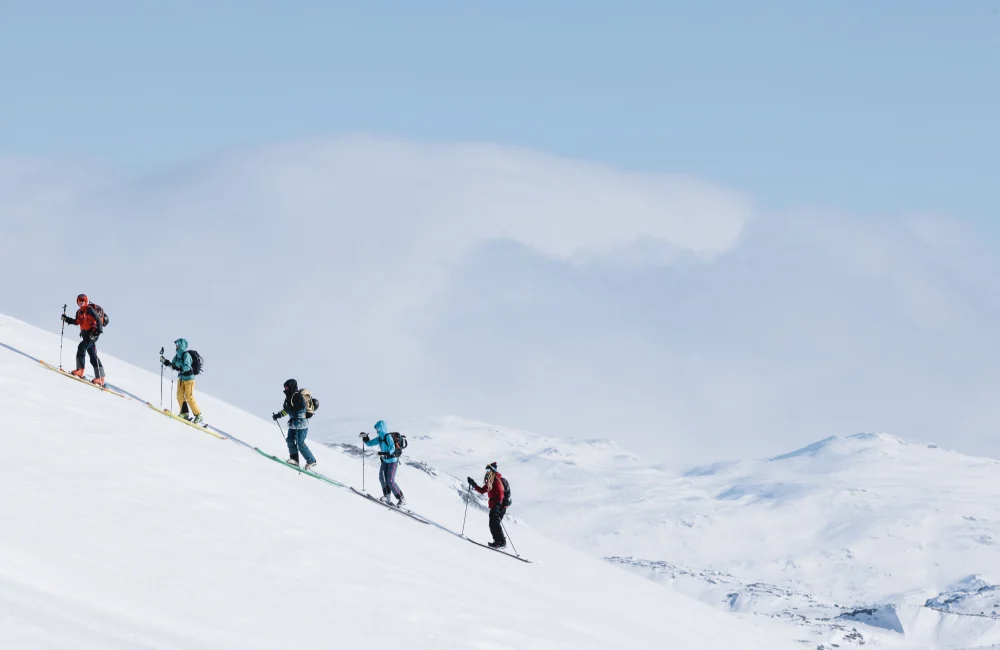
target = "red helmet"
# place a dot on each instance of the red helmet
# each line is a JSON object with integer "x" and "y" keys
{"x": 82, "y": 300}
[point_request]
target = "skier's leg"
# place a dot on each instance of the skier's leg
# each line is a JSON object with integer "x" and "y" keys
{"x": 391, "y": 479}
{"x": 293, "y": 449}
{"x": 94, "y": 361}
{"x": 382, "y": 473}
{"x": 189, "y": 402}
{"x": 300, "y": 441}
{"x": 81, "y": 353}
{"x": 181, "y": 402}
{"x": 495, "y": 528}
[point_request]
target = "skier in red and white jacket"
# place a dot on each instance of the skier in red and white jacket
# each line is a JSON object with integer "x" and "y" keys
{"x": 493, "y": 486}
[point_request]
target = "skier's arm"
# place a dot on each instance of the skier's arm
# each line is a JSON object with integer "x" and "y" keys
{"x": 184, "y": 363}
{"x": 480, "y": 490}
{"x": 371, "y": 442}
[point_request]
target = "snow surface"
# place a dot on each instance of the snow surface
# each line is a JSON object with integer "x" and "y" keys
{"x": 123, "y": 529}
{"x": 864, "y": 539}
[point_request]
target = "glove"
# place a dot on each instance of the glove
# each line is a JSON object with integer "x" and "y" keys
{"x": 64, "y": 318}
{"x": 275, "y": 416}
{"x": 364, "y": 436}
{"x": 472, "y": 483}
{"x": 164, "y": 361}
{"x": 384, "y": 454}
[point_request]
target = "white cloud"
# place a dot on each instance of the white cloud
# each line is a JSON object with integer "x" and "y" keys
{"x": 404, "y": 278}
{"x": 318, "y": 259}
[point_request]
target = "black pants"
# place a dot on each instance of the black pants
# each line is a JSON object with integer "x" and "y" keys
{"x": 89, "y": 346}
{"x": 496, "y": 515}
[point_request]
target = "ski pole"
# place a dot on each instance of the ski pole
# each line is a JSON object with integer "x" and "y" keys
{"x": 280, "y": 429}
{"x": 171, "y": 391}
{"x": 509, "y": 538}
{"x": 362, "y": 466}
{"x": 61, "y": 333}
{"x": 467, "y": 499}
{"x": 161, "y": 379}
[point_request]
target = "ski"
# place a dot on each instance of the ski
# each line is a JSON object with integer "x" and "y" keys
{"x": 501, "y": 551}
{"x": 402, "y": 511}
{"x": 200, "y": 427}
{"x": 62, "y": 372}
{"x": 309, "y": 472}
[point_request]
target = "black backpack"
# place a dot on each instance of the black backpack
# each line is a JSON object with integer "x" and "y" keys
{"x": 400, "y": 441}
{"x": 101, "y": 314}
{"x": 506, "y": 493}
{"x": 197, "y": 363}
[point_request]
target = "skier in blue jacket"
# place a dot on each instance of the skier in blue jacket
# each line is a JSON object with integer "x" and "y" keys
{"x": 390, "y": 462}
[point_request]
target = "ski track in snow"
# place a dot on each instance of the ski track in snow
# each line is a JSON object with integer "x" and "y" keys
{"x": 124, "y": 529}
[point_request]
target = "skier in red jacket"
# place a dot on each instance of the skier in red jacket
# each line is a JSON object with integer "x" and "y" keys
{"x": 89, "y": 318}
{"x": 493, "y": 485}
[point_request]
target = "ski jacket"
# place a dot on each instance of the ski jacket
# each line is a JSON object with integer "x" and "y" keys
{"x": 295, "y": 408}
{"x": 88, "y": 320}
{"x": 384, "y": 441}
{"x": 182, "y": 361}
{"x": 495, "y": 491}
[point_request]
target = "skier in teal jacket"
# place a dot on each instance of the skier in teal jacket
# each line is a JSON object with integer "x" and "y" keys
{"x": 390, "y": 462}
{"x": 184, "y": 364}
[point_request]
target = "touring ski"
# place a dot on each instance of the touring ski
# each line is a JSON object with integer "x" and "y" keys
{"x": 501, "y": 551}
{"x": 200, "y": 427}
{"x": 82, "y": 381}
{"x": 402, "y": 511}
{"x": 309, "y": 472}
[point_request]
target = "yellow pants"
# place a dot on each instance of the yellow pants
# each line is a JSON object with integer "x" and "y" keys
{"x": 185, "y": 393}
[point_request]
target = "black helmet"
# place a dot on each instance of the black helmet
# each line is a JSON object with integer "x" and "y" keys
{"x": 291, "y": 386}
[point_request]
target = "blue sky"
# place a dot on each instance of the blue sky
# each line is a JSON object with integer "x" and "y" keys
{"x": 725, "y": 230}
{"x": 871, "y": 107}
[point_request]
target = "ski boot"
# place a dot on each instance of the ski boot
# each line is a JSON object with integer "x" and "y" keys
{"x": 401, "y": 502}
{"x": 309, "y": 466}
{"x": 98, "y": 381}
{"x": 497, "y": 545}
{"x": 293, "y": 461}
{"x": 386, "y": 500}
{"x": 78, "y": 373}
{"x": 197, "y": 419}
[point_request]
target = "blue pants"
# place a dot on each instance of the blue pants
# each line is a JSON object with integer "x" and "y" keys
{"x": 296, "y": 440}
{"x": 88, "y": 346}
{"x": 387, "y": 477}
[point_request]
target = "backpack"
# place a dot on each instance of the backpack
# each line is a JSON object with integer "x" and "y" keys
{"x": 400, "y": 441}
{"x": 197, "y": 363}
{"x": 506, "y": 493}
{"x": 101, "y": 314}
{"x": 311, "y": 402}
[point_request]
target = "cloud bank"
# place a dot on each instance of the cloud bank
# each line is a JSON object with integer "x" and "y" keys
{"x": 399, "y": 278}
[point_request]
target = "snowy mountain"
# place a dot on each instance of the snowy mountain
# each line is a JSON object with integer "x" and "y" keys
{"x": 125, "y": 529}
{"x": 865, "y": 539}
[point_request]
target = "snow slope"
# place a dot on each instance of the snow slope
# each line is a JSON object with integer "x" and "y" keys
{"x": 124, "y": 529}
{"x": 866, "y": 538}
